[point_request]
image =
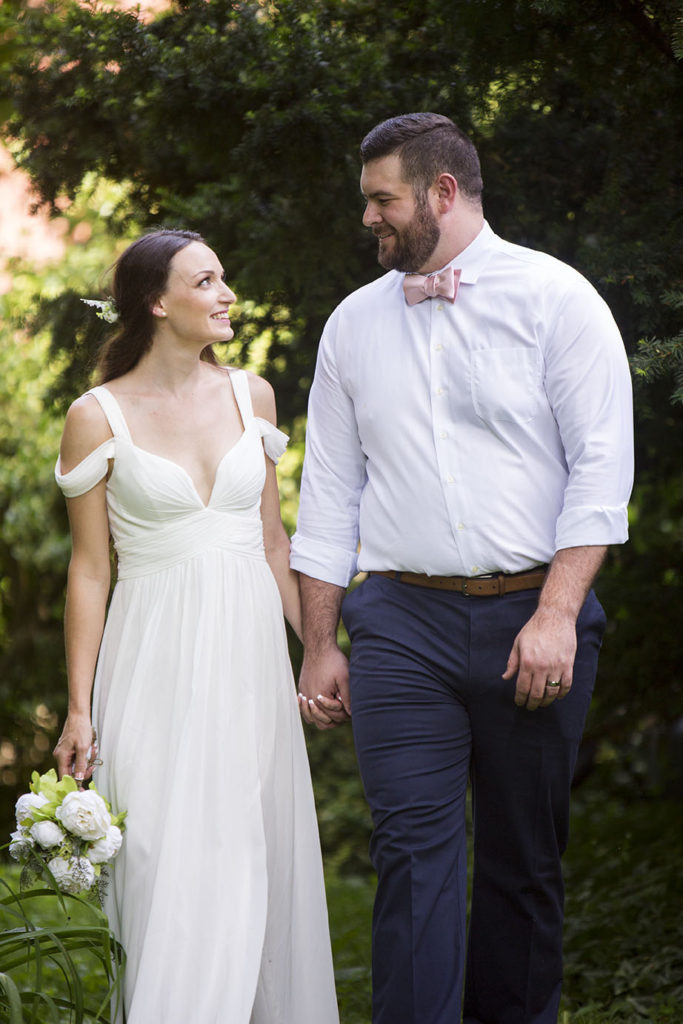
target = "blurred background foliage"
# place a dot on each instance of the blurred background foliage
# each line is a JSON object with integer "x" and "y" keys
{"x": 242, "y": 119}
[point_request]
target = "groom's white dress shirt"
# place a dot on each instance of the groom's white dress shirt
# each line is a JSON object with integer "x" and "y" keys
{"x": 466, "y": 438}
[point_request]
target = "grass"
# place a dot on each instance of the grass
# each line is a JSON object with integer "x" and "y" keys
{"x": 57, "y": 957}
{"x": 623, "y": 923}
{"x": 623, "y": 935}
{"x": 624, "y": 928}
{"x": 350, "y": 908}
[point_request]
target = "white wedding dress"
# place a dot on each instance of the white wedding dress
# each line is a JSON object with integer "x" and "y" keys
{"x": 217, "y": 894}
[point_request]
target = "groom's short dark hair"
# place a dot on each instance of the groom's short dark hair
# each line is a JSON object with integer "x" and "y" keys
{"x": 427, "y": 145}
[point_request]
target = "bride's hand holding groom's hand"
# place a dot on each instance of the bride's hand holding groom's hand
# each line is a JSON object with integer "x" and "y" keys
{"x": 324, "y": 698}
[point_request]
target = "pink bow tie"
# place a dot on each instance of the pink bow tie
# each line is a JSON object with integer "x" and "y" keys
{"x": 417, "y": 287}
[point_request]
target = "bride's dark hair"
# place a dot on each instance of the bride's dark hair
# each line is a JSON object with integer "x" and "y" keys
{"x": 140, "y": 277}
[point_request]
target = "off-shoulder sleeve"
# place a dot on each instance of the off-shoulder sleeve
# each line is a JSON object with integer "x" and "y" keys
{"x": 88, "y": 473}
{"x": 274, "y": 440}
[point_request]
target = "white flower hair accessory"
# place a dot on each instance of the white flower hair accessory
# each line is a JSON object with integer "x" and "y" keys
{"x": 105, "y": 309}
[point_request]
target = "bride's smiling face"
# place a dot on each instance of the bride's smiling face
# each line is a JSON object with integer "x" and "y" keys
{"x": 196, "y": 302}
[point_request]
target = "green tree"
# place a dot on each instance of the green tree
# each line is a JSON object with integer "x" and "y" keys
{"x": 34, "y": 537}
{"x": 242, "y": 119}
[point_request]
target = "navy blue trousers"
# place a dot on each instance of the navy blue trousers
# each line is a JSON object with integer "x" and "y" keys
{"x": 430, "y": 711}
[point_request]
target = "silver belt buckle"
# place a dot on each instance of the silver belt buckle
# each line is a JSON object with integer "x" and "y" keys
{"x": 484, "y": 576}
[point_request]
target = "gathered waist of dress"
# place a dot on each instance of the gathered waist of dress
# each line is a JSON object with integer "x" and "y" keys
{"x": 142, "y": 552}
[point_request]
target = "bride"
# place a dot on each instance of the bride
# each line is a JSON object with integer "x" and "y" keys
{"x": 217, "y": 894}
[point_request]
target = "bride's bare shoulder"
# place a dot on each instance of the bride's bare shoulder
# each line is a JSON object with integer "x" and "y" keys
{"x": 261, "y": 392}
{"x": 262, "y": 397}
{"x": 85, "y": 428}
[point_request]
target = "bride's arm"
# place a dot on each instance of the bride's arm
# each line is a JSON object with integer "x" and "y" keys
{"x": 275, "y": 539}
{"x": 88, "y": 583}
{"x": 276, "y": 543}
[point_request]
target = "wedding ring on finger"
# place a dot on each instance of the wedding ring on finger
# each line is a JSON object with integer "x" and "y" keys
{"x": 552, "y": 684}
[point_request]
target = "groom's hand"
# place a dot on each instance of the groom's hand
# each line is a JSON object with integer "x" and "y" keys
{"x": 324, "y": 699}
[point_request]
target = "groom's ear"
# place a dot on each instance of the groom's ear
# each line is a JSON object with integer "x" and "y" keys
{"x": 446, "y": 188}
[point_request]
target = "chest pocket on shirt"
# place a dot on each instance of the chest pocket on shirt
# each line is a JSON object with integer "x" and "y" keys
{"x": 506, "y": 384}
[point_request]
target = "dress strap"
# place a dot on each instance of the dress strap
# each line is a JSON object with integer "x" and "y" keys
{"x": 112, "y": 410}
{"x": 240, "y": 387}
{"x": 274, "y": 441}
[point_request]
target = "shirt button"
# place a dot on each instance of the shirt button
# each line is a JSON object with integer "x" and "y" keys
{"x": 449, "y": 479}
{"x": 439, "y": 391}
{"x": 461, "y": 526}
{"x": 440, "y": 307}
{"x": 474, "y": 569}
{"x": 438, "y": 348}
{"x": 443, "y": 434}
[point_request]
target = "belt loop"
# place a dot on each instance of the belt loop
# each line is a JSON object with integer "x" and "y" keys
{"x": 501, "y": 584}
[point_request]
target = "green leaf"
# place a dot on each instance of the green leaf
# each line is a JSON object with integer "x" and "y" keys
{"x": 13, "y": 999}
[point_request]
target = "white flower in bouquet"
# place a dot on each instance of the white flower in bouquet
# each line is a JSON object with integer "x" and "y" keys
{"x": 71, "y": 830}
{"x": 21, "y": 844}
{"x": 84, "y": 813}
{"x": 73, "y": 874}
{"x": 105, "y": 849}
{"x": 47, "y": 834}
{"x": 26, "y": 803}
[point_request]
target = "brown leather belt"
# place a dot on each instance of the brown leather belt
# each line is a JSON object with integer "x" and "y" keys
{"x": 493, "y": 585}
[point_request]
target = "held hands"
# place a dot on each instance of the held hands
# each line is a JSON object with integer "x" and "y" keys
{"x": 76, "y": 752}
{"x": 543, "y": 655}
{"x": 324, "y": 698}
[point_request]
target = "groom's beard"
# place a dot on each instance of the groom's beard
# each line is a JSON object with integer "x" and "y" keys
{"x": 411, "y": 246}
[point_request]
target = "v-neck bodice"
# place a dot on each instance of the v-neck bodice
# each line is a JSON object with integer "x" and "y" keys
{"x": 156, "y": 515}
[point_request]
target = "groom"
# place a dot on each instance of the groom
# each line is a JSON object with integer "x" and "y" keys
{"x": 470, "y": 426}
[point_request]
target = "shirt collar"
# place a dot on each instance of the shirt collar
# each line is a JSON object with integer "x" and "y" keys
{"x": 472, "y": 260}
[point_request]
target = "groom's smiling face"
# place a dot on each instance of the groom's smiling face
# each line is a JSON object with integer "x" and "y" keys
{"x": 404, "y": 224}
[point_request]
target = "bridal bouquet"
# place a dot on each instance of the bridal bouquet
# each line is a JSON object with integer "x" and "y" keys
{"x": 70, "y": 830}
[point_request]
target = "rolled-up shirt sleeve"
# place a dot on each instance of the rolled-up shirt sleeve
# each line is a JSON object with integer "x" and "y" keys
{"x": 325, "y": 544}
{"x": 588, "y": 384}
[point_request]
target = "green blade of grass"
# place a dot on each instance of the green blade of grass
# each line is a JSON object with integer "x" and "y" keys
{"x": 13, "y": 998}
